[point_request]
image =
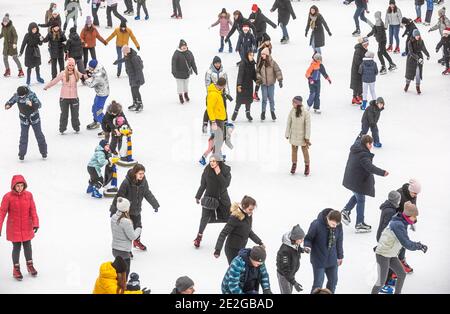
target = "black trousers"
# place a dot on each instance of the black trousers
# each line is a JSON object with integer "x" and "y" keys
{"x": 129, "y": 5}
{"x": 66, "y": 105}
{"x": 94, "y": 178}
{"x": 383, "y": 53}
{"x": 95, "y": 7}
{"x": 137, "y": 222}
{"x": 113, "y": 9}
{"x": 176, "y": 7}
{"x": 238, "y": 106}
{"x": 17, "y": 246}
{"x": 55, "y": 62}
{"x": 231, "y": 253}
{"x": 116, "y": 143}
{"x": 86, "y": 52}
{"x": 207, "y": 216}
{"x": 136, "y": 94}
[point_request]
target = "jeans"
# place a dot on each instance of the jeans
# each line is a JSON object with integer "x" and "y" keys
{"x": 119, "y": 56}
{"x": 285, "y": 286}
{"x": 419, "y": 10}
{"x": 314, "y": 95}
{"x": 113, "y": 9}
{"x": 268, "y": 91}
{"x": 319, "y": 277}
{"x": 383, "y": 266}
{"x": 428, "y": 16}
{"x": 393, "y": 32}
{"x": 144, "y": 6}
{"x": 86, "y": 52}
{"x": 222, "y": 38}
{"x": 17, "y": 246}
{"x": 284, "y": 30}
{"x": 219, "y": 137}
{"x": 40, "y": 138}
{"x": 359, "y": 200}
{"x": 374, "y": 129}
{"x": 176, "y": 7}
{"x": 97, "y": 108}
{"x": 313, "y": 45}
{"x": 359, "y": 13}
{"x": 382, "y": 53}
{"x": 16, "y": 60}
{"x": 65, "y": 105}
{"x": 366, "y": 88}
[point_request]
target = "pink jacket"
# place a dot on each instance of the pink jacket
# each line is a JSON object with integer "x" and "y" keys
{"x": 68, "y": 89}
{"x": 224, "y": 26}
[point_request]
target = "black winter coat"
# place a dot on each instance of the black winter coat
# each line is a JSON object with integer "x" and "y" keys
{"x": 245, "y": 79}
{"x": 260, "y": 23}
{"x": 415, "y": 49}
{"x": 359, "y": 171}
{"x": 182, "y": 63}
{"x": 74, "y": 46}
{"x": 108, "y": 121}
{"x": 379, "y": 33}
{"x": 445, "y": 44}
{"x": 135, "y": 192}
{"x": 32, "y": 42}
{"x": 246, "y": 43}
{"x": 134, "y": 68}
{"x": 410, "y": 26}
{"x": 285, "y": 11}
{"x": 387, "y": 212}
{"x": 288, "y": 261}
{"x": 372, "y": 114}
{"x": 317, "y": 34}
{"x": 56, "y": 44}
{"x": 356, "y": 78}
{"x": 237, "y": 232}
{"x": 52, "y": 21}
{"x": 405, "y": 197}
{"x": 237, "y": 26}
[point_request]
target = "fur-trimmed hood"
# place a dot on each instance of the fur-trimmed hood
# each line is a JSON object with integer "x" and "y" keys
{"x": 237, "y": 212}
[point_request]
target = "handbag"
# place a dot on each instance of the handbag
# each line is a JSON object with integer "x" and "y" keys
{"x": 209, "y": 202}
{"x": 36, "y": 52}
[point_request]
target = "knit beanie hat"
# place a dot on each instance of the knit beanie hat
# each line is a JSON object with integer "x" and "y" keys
{"x": 391, "y": 1}
{"x": 414, "y": 186}
{"x": 258, "y": 254}
{"x": 88, "y": 20}
{"x": 6, "y": 19}
{"x": 22, "y": 90}
{"x": 364, "y": 40}
{"x": 119, "y": 265}
{"x": 184, "y": 283}
{"x": 216, "y": 59}
{"x": 123, "y": 205}
{"x": 182, "y": 43}
{"x": 394, "y": 198}
{"x": 380, "y": 100}
{"x": 103, "y": 143}
{"x": 93, "y": 63}
{"x": 297, "y": 100}
{"x": 297, "y": 233}
{"x": 416, "y": 32}
{"x": 123, "y": 24}
{"x": 254, "y": 8}
{"x": 410, "y": 210}
{"x": 317, "y": 57}
{"x": 73, "y": 30}
{"x": 133, "y": 283}
{"x": 369, "y": 54}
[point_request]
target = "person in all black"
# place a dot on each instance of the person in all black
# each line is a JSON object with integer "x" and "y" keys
{"x": 379, "y": 31}
{"x": 288, "y": 260}
{"x": 356, "y": 77}
{"x": 238, "y": 229}
{"x": 259, "y": 22}
{"x": 74, "y": 49}
{"x": 414, "y": 62}
{"x": 285, "y": 11}
{"x": 246, "y": 42}
{"x": 445, "y": 44}
{"x": 213, "y": 195}
{"x": 245, "y": 79}
{"x": 370, "y": 119}
{"x": 56, "y": 40}
{"x": 32, "y": 41}
{"x": 238, "y": 22}
{"x": 410, "y": 26}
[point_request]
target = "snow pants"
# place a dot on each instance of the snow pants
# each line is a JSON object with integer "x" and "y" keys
{"x": 97, "y": 108}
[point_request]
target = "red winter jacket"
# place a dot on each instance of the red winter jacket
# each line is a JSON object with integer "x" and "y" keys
{"x": 21, "y": 210}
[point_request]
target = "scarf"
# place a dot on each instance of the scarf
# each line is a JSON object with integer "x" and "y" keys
{"x": 312, "y": 23}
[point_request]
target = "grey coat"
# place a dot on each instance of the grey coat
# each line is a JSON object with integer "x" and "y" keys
{"x": 99, "y": 81}
{"x": 213, "y": 75}
{"x": 123, "y": 233}
{"x": 393, "y": 18}
{"x": 442, "y": 23}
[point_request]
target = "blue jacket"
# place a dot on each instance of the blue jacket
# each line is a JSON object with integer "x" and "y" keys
{"x": 430, "y": 5}
{"x": 315, "y": 75}
{"x": 325, "y": 243}
{"x": 369, "y": 70}
{"x": 27, "y": 114}
{"x": 399, "y": 226}
{"x": 99, "y": 160}
{"x": 241, "y": 276}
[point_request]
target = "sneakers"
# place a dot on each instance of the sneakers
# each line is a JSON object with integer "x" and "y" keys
{"x": 256, "y": 97}
{"x": 387, "y": 290}
{"x": 186, "y": 97}
{"x": 362, "y": 227}
{"x": 389, "y": 48}
{"x": 346, "y": 217}
{"x": 397, "y": 49}
{"x": 406, "y": 87}
{"x": 263, "y": 116}
{"x": 249, "y": 117}
{"x": 383, "y": 70}
{"x": 392, "y": 67}
{"x": 180, "y": 96}
{"x": 202, "y": 161}
{"x": 306, "y": 173}
{"x": 93, "y": 125}
{"x": 16, "y": 272}
{"x": 7, "y": 73}
{"x": 356, "y": 33}
{"x": 31, "y": 270}
{"x": 197, "y": 240}
{"x": 90, "y": 189}
{"x": 21, "y": 73}
{"x": 138, "y": 244}
{"x": 418, "y": 90}
{"x": 95, "y": 193}
{"x": 234, "y": 116}
{"x": 408, "y": 269}
{"x": 274, "y": 117}
{"x": 377, "y": 145}
{"x": 418, "y": 20}
{"x": 293, "y": 168}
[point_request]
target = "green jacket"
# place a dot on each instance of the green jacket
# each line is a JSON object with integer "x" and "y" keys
{"x": 10, "y": 38}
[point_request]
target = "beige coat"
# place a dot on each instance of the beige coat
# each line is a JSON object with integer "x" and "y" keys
{"x": 389, "y": 245}
{"x": 298, "y": 129}
{"x": 268, "y": 75}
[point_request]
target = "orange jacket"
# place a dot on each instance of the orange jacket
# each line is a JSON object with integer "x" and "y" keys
{"x": 123, "y": 37}
{"x": 314, "y": 66}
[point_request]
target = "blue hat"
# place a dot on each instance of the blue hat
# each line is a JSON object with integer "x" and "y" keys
{"x": 93, "y": 63}
{"x": 103, "y": 143}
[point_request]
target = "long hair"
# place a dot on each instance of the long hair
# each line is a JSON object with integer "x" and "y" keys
{"x": 298, "y": 110}
{"x": 390, "y": 10}
{"x": 123, "y": 215}
{"x": 67, "y": 74}
{"x": 135, "y": 170}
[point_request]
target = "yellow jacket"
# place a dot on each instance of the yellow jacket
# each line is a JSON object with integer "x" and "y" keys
{"x": 215, "y": 104}
{"x": 123, "y": 37}
{"x": 107, "y": 280}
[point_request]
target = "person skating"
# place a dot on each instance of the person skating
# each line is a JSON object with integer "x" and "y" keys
{"x": 315, "y": 69}
{"x": 238, "y": 229}
{"x": 74, "y": 49}
{"x": 98, "y": 79}
{"x": 244, "y": 86}
{"x": 392, "y": 239}
{"x": 177, "y": 14}
{"x": 89, "y": 36}
{"x": 316, "y": 23}
{"x": 123, "y": 233}
{"x": 135, "y": 71}
{"x": 129, "y": 6}
{"x": 100, "y": 159}
{"x": 370, "y": 119}
{"x": 445, "y": 44}
{"x": 267, "y": 74}
{"x": 22, "y": 223}
{"x": 259, "y": 23}
{"x": 112, "y": 278}
{"x": 56, "y": 40}
{"x": 224, "y": 21}
{"x": 9, "y": 36}
{"x": 418, "y": 6}
{"x": 414, "y": 62}
{"x": 369, "y": 71}
{"x": 393, "y": 20}
{"x": 117, "y": 137}
{"x": 29, "y": 105}
{"x": 389, "y": 209}
{"x": 213, "y": 195}
{"x": 183, "y": 65}
{"x": 111, "y": 7}
{"x": 409, "y": 29}
{"x": 288, "y": 260}
{"x": 324, "y": 241}
{"x": 238, "y": 21}
{"x": 356, "y": 77}
{"x": 53, "y": 19}
{"x": 95, "y": 6}
{"x": 246, "y": 42}
{"x": 379, "y": 33}
{"x": 123, "y": 35}
{"x": 109, "y": 121}
{"x": 298, "y": 132}
{"x": 217, "y": 114}
{"x": 135, "y": 188}
{"x": 71, "y": 10}
{"x": 247, "y": 272}
{"x": 442, "y": 23}
{"x": 183, "y": 285}
{"x": 265, "y": 43}
{"x": 30, "y": 44}
{"x": 141, "y": 4}
{"x": 359, "y": 179}
{"x": 48, "y": 14}
{"x": 69, "y": 96}
{"x": 285, "y": 11}
{"x": 361, "y": 8}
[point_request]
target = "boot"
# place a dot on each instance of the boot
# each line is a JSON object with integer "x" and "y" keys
{"x": 397, "y": 49}
{"x": 7, "y": 73}
{"x": 274, "y": 117}
{"x": 205, "y": 127}
{"x": 294, "y": 167}
{"x": 93, "y": 125}
{"x": 392, "y": 67}
{"x": 446, "y": 72}
{"x": 138, "y": 244}
{"x": 359, "y": 98}
{"x": 16, "y": 272}
{"x": 174, "y": 15}
{"x": 406, "y": 87}
{"x": 147, "y": 17}
{"x": 306, "y": 173}
{"x": 21, "y": 73}
{"x": 31, "y": 270}
{"x": 354, "y": 100}
{"x": 179, "y": 17}
{"x": 186, "y": 96}
{"x": 220, "y": 49}
{"x": 408, "y": 269}
{"x": 40, "y": 80}
{"x": 418, "y": 89}
{"x": 263, "y": 116}
{"x": 383, "y": 70}
{"x": 389, "y": 48}
{"x": 364, "y": 104}
{"x": 139, "y": 106}
{"x": 96, "y": 193}
{"x": 137, "y": 18}
{"x": 249, "y": 117}
{"x": 90, "y": 189}
{"x": 181, "y": 98}
{"x": 255, "y": 97}
{"x": 234, "y": 116}
{"x": 197, "y": 240}
{"x": 202, "y": 161}
{"x": 418, "y": 20}
{"x": 356, "y": 33}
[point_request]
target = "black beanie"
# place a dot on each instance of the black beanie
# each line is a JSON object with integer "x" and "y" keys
{"x": 182, "y": 43}
{"x": 119, "y": 265}
{"x": 73, "y": 30}
{"x": 258, "y": 254}
{"x": 22, "y": 90}
{"x": 123, "y": 24}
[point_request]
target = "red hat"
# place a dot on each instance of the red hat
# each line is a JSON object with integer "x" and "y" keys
{"x": 254, "y": 8}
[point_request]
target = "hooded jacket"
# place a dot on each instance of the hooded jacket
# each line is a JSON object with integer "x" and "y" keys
{"x": 245, "y": 79}
{"x": 106, "y": 282}
{"x": 69, "y": 89}
{"x": 225, "y": 24}
{"x": 285, "y": 11}
{"x": 405, "y": 197}
{"x": 99, "y": 160}
{"x": 213, "y": 75}
{"x": 74, "y": 46}
{"x": 288, "y": 258}
{"x": 268, "y": 72}
{"x": 442, "y": 23}
{"x": 358, "y": 56}
{"x": 368, "y": 70}
{"x": 378, "y": 30}
{"x": 260, "y": 23}
{"x": 416, "y": 50}
{"x": 215, "y": 105}
{"x": 182, "y": 63}
{"x": 134, "y": 68}
{"x": 28, "y": 115}
{"x": 237, "y": 25}
{"x": 99, "y": 81}
{"x": 372, "y": 114}
{"x": 388, "y": 211}
{"x": 246, "y": 43}
{"x": 10, "y": 38}
{"x": 21, "y": 210}
{"x": 32, "y": 41}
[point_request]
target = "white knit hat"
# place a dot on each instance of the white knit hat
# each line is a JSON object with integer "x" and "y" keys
{"x": 123, "y": 205}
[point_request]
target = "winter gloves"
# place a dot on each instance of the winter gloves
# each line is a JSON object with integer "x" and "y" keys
{"x": 328, "y": 79}
{"x": 423, "y": 247}
{"x": 35, "y": 229}
{"x": 298, "y": 287}
{"x": 156, "y": 210}
{"x": 216, "y": 253}
{"x": 280, "y": 83}
{"x": 228, "y": 97}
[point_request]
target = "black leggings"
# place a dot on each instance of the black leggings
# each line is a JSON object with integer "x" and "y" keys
{"x": 207, "y": 215}
{"x": 383, "y": 53}
{"x": 136, "y": 95}
{"x": 55, "y": 62}
{"x": 17, "y": 246}
{"x": 86, "y": 55}
{"x": 238, "y": 106}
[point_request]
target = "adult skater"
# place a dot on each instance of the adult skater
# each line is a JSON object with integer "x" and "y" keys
{"x": 135, "y": 188}
{"x": 111, "y": 7}
{"x": 29, "y": 105}
{"x": 74, "y": 49}
{"x": 298, "y": 132}
{"x": 445, "y": 44}
{"x": 246, "y": 42}
{"x": 414, "y": 62}
{"x": 244, "y": 86}
{"x": 112, "y": 278}
{"x": 48, "y": 14}
{"x": 30, "y": 44}
{"x": 285, "y": 11}
{"x": 356, "y": 77}
{"x": 141, "y": 4}
{"x": 109, "y": 122}
{"x": 361, "y": 8}
{"x": 379, "y": 32}
{"x": 89, "y": 36}
{"x": 359, "y": 179}
{"x": 259, "y": 22}
{"x": 389, "y": 209}
{"x": 238, "y": 21}
{"x": 129, "y": 5}
{"x": 238, "y": 229}
{"x": 22, "y": 223}
{"x": 217, "y": 114}
{"x": 213, "y": 195}
{"x": 9, "y": 36}
{"x": 184, "y": 285}
{"x": 176, "y": 6}
{"x": 95, "y": 6}
{"x": 56, "y": 41}
{"x": 316, "y": 23}
{"x": 288, "y": 260}
{"x": 324, "y": 241}
{"x": 409, "y": 29}
{"x": 393, "y": 20}
{"x": 71, "y": 9}
{"x": 247, "y": 272}
{"x": 98, "y": 79}
{"x": 224, "y": 22}
{"x": 418, "y": 6}
{"x": 183, "y": 65}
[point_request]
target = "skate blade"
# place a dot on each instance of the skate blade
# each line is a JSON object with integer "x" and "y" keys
{"x": 127, "y": 163}
{"x": 109, "y": 194}
{"x": 363, "y": 231}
